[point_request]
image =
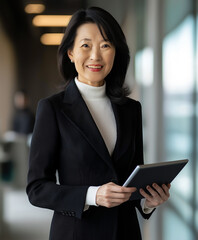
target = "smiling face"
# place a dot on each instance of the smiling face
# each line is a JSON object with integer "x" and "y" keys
{"x": 92, "y": 55}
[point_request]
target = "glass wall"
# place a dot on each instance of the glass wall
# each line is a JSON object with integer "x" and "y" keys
{"x": 178, "y": 219}
{"x": 196, "y": 169}
{"x": 179, "y": 128}
{"x": 178, "y": 105}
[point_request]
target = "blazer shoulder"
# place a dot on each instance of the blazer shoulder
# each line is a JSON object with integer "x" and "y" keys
{"x": 132, "y": 103}
{"x": 53, "y": 99}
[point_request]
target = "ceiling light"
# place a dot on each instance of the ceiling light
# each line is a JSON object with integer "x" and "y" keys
{"x": 51, "y": 38}
{"x": 51, "y": 20}
{"x": 34, "y": 8}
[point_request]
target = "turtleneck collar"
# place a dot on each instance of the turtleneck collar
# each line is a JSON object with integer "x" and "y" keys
{"x": 91, "y": 92}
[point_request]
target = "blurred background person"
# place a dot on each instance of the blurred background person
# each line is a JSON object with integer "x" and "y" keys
{"x": 23, "y": 118}
{"x": 16, "y": 141}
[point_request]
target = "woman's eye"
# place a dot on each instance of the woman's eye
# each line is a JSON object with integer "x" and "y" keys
{"x": 105, "y": 46}
{"x": 85, "y": 45}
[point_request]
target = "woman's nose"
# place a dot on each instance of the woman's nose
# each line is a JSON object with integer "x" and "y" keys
{"x": 95, "y": 54}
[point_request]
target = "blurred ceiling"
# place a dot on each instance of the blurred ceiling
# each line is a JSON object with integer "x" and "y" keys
{"x": 18, "y": 24}
{"x": 59, "y": 6}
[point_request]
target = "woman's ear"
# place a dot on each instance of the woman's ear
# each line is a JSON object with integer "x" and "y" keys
{"x": 70, "y": 54}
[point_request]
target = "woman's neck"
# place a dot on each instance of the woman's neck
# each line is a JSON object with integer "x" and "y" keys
{"x": 91, "y": 92}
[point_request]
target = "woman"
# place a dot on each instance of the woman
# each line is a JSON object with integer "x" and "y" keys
{"x": 91, "y": 135}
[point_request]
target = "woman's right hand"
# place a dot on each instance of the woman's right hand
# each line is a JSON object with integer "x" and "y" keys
{"x": 111, "y": 195}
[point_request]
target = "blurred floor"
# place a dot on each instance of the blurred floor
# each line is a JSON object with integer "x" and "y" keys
{"x": 22, "y": 220}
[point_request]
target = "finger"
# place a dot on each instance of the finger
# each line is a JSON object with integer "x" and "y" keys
{"x": 163, "y": 191}
{"x": 166, "y": 190}
{"x": 158, "y": 195}
{"x": 154, "y": 193}
{"x": 110, "y": 194}
{"x": 112, "y": 199}
{"x": 119, "y": 199}
{"x": 168, "y": 185}
{"x": 145, "y": 195}
{"x": 128, "y": 189}
{"x": 114, "y": 191}
{"x": 152, "y": 200}
{"x": 115, "y": 195}
{"x": 116, "y": 188}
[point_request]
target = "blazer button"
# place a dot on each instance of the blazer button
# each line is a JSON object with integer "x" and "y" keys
{"x": 63, "y": 213}
{"x": 73, "y": 214}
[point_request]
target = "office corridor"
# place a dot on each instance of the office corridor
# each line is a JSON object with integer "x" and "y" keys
{"x": 22, "y": 220}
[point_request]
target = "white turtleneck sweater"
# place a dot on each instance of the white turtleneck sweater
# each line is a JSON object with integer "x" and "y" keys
{"x": 100, "y": 108}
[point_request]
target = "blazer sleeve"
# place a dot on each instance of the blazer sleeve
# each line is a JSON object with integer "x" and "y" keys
{"x": 139, "y": 155}
{"x": 42, "y": 189}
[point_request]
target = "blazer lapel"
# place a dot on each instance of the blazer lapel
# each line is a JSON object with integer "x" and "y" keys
{"x": 75, "y": 109}
{"x": 124, "y": 131}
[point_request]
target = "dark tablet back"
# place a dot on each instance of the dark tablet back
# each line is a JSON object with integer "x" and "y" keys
{"x": 160, "y": 173}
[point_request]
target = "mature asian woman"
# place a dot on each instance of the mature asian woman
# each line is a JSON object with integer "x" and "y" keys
{"x": 90, "y": 136}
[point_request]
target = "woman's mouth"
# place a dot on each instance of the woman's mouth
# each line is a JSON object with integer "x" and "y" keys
{"x": 95, "y": 68}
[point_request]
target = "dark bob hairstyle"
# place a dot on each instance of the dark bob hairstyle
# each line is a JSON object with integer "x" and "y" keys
{"x": 105, "y": 22}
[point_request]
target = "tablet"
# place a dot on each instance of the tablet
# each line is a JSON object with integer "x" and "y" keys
{"x": 147, "y": 174}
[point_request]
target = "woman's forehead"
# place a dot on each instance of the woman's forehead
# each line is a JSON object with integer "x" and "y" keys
{"x": 90, "y": 31}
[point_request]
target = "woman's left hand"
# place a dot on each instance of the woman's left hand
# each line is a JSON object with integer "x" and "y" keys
{"x": 158, "y": 195}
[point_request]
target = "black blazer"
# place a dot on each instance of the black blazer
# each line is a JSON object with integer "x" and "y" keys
{"x": 67, "y": 143}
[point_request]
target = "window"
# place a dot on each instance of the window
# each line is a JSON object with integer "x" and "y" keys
{"x": 178, "y": 87}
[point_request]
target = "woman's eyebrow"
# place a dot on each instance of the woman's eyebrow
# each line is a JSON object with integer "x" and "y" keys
{"x": 85, "y": 39}
{"x": 89, "y": 40}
